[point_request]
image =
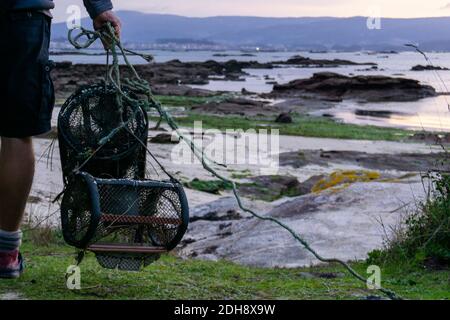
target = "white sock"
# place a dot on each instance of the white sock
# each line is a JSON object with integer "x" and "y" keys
{"x": 10, "y": 241}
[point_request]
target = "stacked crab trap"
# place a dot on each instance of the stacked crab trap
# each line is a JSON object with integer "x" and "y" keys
{"x": 109, "y": 206}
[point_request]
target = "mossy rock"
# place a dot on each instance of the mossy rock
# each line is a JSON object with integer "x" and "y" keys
{"x": 345, "y": 178}
{"x": 209, "y": 186}
{"x": 273, "y": 187}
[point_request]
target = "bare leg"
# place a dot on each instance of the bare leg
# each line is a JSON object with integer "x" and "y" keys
{"x": 16, "y": 178}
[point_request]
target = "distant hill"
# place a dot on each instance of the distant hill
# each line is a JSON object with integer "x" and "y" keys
{"x": 323, "y": 33}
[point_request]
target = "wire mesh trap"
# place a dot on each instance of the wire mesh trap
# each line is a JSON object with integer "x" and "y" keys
{"x": 90, "y": 115}
{"x": 127, "y": 223}
{"x": 109, "y": 206}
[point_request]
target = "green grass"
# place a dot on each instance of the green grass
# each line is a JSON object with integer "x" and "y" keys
{"x": 252, "y": 190}
{"x": 173, "y": 278}
{"x": 423, "y": 239}
{"x": 209, "y": 186}
{"x": 307, "y": 126}
{"x": 244, "y": 174}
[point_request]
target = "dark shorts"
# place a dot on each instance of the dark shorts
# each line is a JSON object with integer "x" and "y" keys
{"x": 26, "y": 89}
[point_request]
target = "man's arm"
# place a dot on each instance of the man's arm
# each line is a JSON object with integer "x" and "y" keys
{"x": 101, "y": 13}
{"x": 97, "y": 7}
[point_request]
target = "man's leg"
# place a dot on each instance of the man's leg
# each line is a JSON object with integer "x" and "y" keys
{"x": 26, "y": 111}
{"x": 16, "y": 177}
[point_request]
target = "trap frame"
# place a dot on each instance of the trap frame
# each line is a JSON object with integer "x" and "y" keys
{"x": 125, "y": 220}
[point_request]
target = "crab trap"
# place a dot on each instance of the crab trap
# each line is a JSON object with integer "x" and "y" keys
{"x": 88, "y": 117}
{"x": 109, "y": 206}
{"x": 126, "y": 222}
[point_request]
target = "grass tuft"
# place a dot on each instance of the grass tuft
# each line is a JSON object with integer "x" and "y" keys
{"x": 423, "y": 239}
{"x": 209, "y": 186}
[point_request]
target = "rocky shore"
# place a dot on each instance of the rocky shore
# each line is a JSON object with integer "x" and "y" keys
{"x": 169, "y": 78}
{"x": 174, "y": 77}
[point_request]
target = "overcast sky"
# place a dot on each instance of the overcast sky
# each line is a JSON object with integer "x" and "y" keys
{"x": 278, "y": 8}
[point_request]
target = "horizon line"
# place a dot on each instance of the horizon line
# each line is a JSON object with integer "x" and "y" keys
{"x": 275, "y": 17}
{"x": 278, "y": 17}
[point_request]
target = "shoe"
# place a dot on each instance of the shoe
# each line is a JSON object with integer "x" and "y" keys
{"x": 11, "y": 265}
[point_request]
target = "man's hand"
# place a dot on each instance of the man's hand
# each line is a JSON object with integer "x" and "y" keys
{"x": 108, "y": 16}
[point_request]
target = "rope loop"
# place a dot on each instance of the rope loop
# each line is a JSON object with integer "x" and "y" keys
{"x": 91, "y": 36}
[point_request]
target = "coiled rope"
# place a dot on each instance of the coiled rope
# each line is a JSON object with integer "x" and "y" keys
{"x": 140, "y": 86}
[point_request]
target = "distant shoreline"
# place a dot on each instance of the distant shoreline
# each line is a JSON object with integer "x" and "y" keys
{"x": 232, "y": 52}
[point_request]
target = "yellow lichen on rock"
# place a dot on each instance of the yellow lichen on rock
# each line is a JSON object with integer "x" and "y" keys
{"x": 345, "y": 178}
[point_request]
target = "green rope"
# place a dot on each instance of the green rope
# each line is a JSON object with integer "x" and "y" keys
{"x": 141, "y": 86}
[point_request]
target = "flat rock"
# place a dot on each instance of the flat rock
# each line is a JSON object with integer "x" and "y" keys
{"x": 345, "y": 224}
{"x": 165, "y": 138}
{"x": 274, "y": 187}
{"x": 428, "y": 68}
{"x": 407, "y": 162}
{"x": 236, "y": 106}
{"x": 335, "y": 87}
{"x": 224, "y": 209}
{"x": 319, "y": 63}
{"x": 214, "y": 220}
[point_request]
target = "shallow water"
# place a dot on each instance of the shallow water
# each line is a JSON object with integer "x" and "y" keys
{"x": 430, "y": 114}
{"x": 427, "y": 114}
